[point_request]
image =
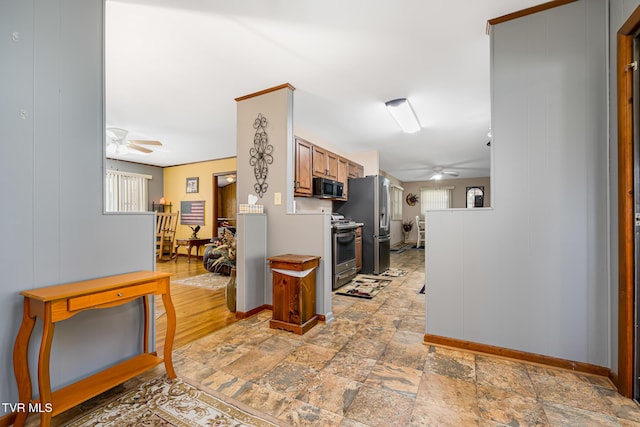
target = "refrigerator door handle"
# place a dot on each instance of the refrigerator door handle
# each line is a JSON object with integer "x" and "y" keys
{"x": 383, "y": 238}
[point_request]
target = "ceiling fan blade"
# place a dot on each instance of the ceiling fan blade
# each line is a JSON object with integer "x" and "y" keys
{"x": 141, "y": 149}
{"x": 451, "y": 173}
{"x": 117, "y": 134}
{"x": 144, "y": 142}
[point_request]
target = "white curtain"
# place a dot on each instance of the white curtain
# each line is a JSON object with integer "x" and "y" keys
{"x": 435, "y": 198}
{"x": 126, "y": 192}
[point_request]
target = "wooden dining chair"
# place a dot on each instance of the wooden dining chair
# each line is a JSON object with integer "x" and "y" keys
{"x": 166, "y": 224}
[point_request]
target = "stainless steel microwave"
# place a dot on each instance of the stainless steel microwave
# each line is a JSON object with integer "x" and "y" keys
{"x": 327, "y": 188}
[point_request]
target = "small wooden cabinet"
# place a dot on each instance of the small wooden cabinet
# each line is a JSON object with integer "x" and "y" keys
{"x": 303, "y": 185}
{"x": 359, "y": 249}
{"x": 294, "y": 292}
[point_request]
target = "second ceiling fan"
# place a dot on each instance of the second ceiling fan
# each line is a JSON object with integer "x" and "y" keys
{"x": 439, "y": 173}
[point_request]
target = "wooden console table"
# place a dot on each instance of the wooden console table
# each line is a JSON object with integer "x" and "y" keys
{"x": 190, "y": 243}
{"x": 57, "y": 303}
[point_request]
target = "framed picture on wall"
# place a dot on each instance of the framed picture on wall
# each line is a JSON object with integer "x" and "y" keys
{"x": 192, "y": 185}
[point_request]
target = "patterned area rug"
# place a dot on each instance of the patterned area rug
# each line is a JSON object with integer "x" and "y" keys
{"x": 363, "y": 287}
{"x": 165, "y": 402}
{"x": 207, "y": 280}
{"x": 394, "y": 272}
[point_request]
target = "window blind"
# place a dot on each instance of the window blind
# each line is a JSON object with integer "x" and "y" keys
{"x": 126, "y": 191}
{"x": 436, "y": 198}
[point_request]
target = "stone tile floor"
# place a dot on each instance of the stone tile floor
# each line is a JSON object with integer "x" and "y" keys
{"x": 370, "y": 367}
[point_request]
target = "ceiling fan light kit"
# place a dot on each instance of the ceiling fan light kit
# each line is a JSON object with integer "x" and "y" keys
{"x": 439, "y": 173}
{"x": 402, "y": 112}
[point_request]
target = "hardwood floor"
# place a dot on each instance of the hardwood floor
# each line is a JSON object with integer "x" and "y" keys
{"x": 199, "y": 311}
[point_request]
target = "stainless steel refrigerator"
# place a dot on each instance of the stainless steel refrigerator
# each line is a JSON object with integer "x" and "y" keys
{"x": 369, "y": 203}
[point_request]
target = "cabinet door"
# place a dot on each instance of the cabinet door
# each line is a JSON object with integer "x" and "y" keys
{"x": 304, "y": 178}
{"x": 355, "y": 170}
{"x": 332, "y": 165}
{"x": 319, "y": 162}
{"x": 343, "y": 171}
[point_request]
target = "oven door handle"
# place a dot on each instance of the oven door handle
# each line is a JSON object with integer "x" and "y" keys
{"x": 348, "y": 233}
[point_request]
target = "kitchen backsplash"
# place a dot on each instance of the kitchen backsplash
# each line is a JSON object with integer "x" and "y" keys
{"x": 312, "y": 204}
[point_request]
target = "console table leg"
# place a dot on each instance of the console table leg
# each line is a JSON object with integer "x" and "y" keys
{"x": 145, "y": 343}
{"x": 44, "y": 358}
{"x": 21, "y": 362}
{"x": 171, "y": 331}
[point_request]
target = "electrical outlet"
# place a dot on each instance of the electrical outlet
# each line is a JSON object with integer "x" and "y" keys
{"x": 277, "y": 198}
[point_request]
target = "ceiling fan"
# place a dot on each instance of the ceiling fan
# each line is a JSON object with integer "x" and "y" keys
{"x": 439, "y": 173}
{"x": 117, "y": 142}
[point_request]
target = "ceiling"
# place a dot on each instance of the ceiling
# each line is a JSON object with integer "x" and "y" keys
{"x": 174, "y": 68}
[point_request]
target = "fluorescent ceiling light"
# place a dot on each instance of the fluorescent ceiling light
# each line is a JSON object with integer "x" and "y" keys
{"x": 403, "y": 113}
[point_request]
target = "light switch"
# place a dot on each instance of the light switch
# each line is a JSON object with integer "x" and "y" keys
{"x": 277, "y": 198}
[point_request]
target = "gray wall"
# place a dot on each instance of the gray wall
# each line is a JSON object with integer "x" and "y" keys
{"x": 156, "y": 183}
{"x": 51, "y": 169}
{"x": 534, "y": 270}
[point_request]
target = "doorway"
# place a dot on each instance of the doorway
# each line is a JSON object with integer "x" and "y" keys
{"x": 224, "y": 212}
{"x": 628, "y": 180}
{"x": 636, "y": 181}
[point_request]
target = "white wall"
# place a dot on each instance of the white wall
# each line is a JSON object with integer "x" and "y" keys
{"x": 51, "y": 170}
{"x": 533, "y": 275}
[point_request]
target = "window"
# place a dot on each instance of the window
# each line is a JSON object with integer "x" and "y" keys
{"x": 475, "y": 197}
{"x": 435, "y": 198}
{"x": 396, "y": 202}
{"x": 126, "y": 191}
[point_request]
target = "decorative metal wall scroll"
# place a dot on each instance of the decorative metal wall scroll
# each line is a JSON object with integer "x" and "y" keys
{"x": 260, "y": 154}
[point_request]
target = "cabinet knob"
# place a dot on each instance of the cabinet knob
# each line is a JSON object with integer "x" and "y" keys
{"x": 119, "y": 294}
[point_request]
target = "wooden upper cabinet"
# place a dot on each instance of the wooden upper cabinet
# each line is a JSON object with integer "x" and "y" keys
{"x": 325, "y": 163}
{"x": 313, "y": 161}
{"x": 355, "y": 170}
{"x": 343, "y": 175}
{"x": 332, "y": 166}
{"x": 319, "y": 162}
{"x": 303, "y": 185}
